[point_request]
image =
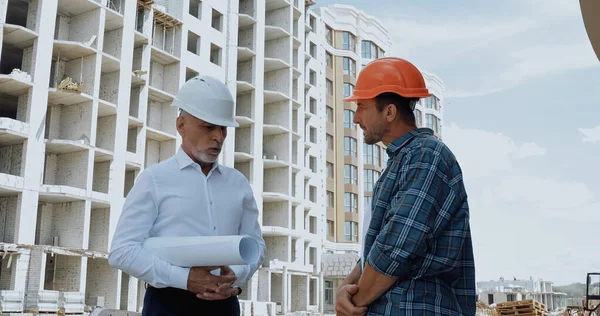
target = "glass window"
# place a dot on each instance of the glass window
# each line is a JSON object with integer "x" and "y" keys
{"x": 367, "y": 203}
{"x": 329, "y": 86}
{"x": 329, "y": 60}
{"x": 369, "y": 50}
{"x": 348, "y": 89}
{"x": 330, "y": 200}
{"x": 329, "y": 35}
{"x": 350, "y": 202}
{"x": 371, "y": 177}
{"x": 376, "y": 160}
{"x": 350, "y": 146}
{"x": 329, "y": 170}
{"x": 349, "y": 119}
{"x": 329, "y": 114}
{"x": 350, "y": 174}
{"x": 418, "y": 118}
{"x": 371, "y": 154}
{"x": 328, "y": 287}
{"x": 329, "y": 141}
{"x": 349, "y": 67}
{"x": 349, "y": 41}
{"x": 431, "y": 121}
{"x": 351, "y": 231}
{"x": 330, "y": 228}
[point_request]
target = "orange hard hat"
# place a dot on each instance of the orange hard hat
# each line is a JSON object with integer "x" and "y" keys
{"x": 389, "y": 74}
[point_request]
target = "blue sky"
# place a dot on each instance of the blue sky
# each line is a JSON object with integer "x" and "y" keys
{"x": 522, "y": 114}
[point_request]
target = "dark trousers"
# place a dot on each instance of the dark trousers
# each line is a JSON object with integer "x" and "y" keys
{"x": 177, "y": 302}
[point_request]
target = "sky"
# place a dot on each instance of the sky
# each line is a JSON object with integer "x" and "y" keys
{"x": 522, "y": 115}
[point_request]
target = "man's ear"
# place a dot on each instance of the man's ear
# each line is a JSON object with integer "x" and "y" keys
{"x": 390, "y": 112}
{"x": 179, "y": 124}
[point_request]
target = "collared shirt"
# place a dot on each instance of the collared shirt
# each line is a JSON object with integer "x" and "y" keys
{"x": 175, "y": 198}
{"x": 420, "y": 232}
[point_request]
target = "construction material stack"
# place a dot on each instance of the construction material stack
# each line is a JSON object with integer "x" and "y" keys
{"x": 522, "y": 308}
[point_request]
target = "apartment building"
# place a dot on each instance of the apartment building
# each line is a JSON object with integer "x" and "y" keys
{"x": 85, "y": 93}
{"x": 353, "y": 39}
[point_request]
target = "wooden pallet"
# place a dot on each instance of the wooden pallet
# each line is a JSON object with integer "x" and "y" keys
{"x": 522, "y": 308}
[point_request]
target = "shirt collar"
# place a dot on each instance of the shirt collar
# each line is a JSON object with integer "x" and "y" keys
{"x": 403, "y": 140}
{"x": 184, "y": 161}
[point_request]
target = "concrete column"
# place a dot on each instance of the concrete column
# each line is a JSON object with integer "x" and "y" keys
{"x": 321, "y": 291}
{"x": 284, "y": 288}
{"x": 34, "y": 146}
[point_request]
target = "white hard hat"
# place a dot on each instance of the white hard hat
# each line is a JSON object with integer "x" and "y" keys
{"x": 208, "y": 99}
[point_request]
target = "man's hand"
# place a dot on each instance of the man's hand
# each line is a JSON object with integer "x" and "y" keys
{"x": 344, "y": 305}
{"x": 223, "y": 290}
{"x": 200, "y": 280}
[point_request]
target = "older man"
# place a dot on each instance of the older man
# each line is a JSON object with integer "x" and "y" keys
{"x": 418, "y": 255}
{"x": 190, "y": 194}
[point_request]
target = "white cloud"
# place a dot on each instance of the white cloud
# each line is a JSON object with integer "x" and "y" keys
{"x": 591, "y": 135}
{"x": 483, "y": 153}
{"x": 541, "y": 225}
{"x": 495, "y": 52}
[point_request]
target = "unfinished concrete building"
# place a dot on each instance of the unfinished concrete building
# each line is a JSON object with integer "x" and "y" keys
{"x": 85, "y": 93}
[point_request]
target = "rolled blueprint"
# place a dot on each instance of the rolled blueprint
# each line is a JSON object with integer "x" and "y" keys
{"x": 203, "y": 251}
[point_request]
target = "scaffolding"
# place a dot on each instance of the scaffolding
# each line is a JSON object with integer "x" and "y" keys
{"x": 168, "y": 23}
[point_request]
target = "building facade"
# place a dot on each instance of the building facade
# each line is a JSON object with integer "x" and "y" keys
{"x": 506, "y": 290}
{"x": 85, "y": 94}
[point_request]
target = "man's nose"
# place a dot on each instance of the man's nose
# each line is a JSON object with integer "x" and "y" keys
{"x": 219, "y": 134}
{"x": 356, "y": 118}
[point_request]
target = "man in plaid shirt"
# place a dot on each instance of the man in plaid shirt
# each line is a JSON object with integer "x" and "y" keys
{"x": 418, "y": 255}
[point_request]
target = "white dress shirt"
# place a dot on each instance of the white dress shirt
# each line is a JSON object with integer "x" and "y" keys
{"x": 175, "y": 198}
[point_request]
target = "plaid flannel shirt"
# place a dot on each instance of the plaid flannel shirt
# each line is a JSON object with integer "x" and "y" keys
{"x": 419, "y": 231}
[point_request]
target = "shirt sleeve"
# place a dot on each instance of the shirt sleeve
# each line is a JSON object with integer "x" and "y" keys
{"x": 414, "y": 214}
{"x": 127, "y": 253}
{"x": 251, "y": 227}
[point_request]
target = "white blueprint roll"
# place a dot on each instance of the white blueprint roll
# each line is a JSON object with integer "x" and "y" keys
{"x": 204, "y": 251}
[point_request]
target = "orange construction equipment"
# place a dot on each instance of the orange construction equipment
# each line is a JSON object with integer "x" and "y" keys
{"x": 389, "y": 74}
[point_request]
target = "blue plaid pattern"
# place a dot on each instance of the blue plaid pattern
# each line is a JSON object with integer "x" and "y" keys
{"x": 420, "y": 231}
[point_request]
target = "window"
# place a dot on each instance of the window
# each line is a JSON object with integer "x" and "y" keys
{"x": 369, "y": 50}
{"x": 329, "y": 140}
{"x": 371, "y": 154}
{"x": 312, "y": 77}
{"x": 330, "y": 228}
{"x": 367, "y": 202}
{"x": 350, "y": 146}
{"x": 350, "y": 174}
{"x": 330, "y": 200}
{"x": 328, "y": 287}
{"x": 371, "y": 177}
{"x": 217, "y": 20}
{"x": 329, "y": 86}
{"x": 330, "y": 173}
{"x": 350, "y": 202}
{"x": 432, "y": 102}
{"x": 215, "y": 54}
{"x": 195, "y": 8}
{"x": 313, "y": 50}
{"x": 348, "y": 89}
{"x": 349, "y": 119}
{"x": 329, "y": 60}
{"x": 349, "y": 41}
{"x": 313, "y": 23}
{"x": 329, "y": 35}
{"x": 349, "y": 67}
{"x": 431, "y": 121}
{"x": 385, "y": 160}
{"x": 351, "y": 231}
{"x": 329, "y": 114}
{"x": 193, "y": 43}
{"x": 313, "y": 106}
{"x": 418, "y": 118}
